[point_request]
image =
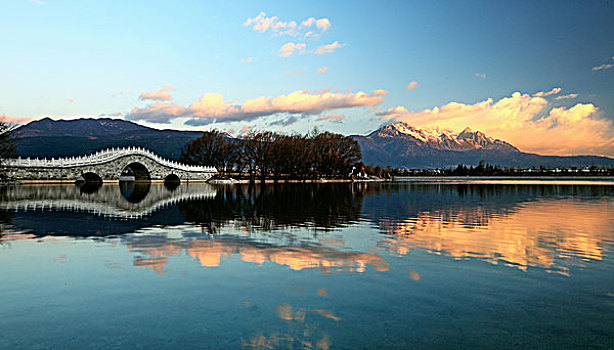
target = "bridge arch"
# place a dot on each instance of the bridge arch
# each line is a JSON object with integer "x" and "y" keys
{"x": 172, "y": 178}
{"x": 90, "y": 177}
{"x": 135, "y": 171}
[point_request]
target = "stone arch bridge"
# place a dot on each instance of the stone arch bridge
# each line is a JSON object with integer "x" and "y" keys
{"x": 107, "y": 165}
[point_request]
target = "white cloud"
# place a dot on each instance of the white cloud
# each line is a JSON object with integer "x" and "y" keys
{"x": 261, "y": 23}
{"x": 323, "y": 24}
{"x": 567, "y": 97}
{"x": 480, "y": 75}
{"x": 160, "y": 95}
{"x": 289, "y": 49}
{"x": 322, "y": 70}
{"x": 411, "y": 86}
{"x": 327, "y": 48}
{"x": 159, "y": 112}
{"x": 335, "y": 117}
{"x": 391, "y": 113}
{"x": 554, "y": 91}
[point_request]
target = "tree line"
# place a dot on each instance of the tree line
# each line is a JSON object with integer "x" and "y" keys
{"x": 268, "y": 155}
{"x": 486, "y": 169}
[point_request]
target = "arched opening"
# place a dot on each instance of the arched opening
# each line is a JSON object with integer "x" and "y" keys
{"x": 171, "y": 181}
{"x": 89, "y": 178}
{"x": 133, "y": 191}
{"x": 135, "y": 172}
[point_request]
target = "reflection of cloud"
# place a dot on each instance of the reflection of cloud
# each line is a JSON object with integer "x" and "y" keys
{"x": 603, "y": 66}
{"x": 524, "y": 237}
{"x": 284, "y": 311}
{"x": 328, "y": 314}
{"x": 209, "y": 253}
{"x": 154, "y": 264}
{"x": 414, "y": 275}
{"x": 287, "y": 341}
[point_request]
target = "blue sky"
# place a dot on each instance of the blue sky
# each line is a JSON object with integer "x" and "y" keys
{"x": 70, "y": 59}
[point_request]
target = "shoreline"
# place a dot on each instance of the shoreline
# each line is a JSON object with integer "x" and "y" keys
{"x": 375, "y": 180}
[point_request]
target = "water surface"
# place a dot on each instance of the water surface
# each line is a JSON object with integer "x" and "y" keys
{"x": 423, "y": 264}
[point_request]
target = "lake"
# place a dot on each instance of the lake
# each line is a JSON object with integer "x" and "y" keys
{"x": 423, "y": 263}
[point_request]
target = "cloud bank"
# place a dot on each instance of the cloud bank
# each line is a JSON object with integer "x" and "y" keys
{"x": 212, "y": 107}
{"x": 528, "y": 122}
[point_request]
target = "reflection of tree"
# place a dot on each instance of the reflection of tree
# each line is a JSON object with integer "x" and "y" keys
{"x": 6, "y": 219}
{"x": 269, "y": 207}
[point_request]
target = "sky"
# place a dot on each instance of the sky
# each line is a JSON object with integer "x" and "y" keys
{"x": 539, "y": 75}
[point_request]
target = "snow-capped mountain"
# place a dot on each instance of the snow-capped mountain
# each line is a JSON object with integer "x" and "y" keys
{"x": 404, "y": 146}
{"x": 440, "y": 139}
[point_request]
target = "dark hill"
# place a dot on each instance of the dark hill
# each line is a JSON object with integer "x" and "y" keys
{"x": 64, "y": 138}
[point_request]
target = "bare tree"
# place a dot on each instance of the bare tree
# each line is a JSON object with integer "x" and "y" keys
{"x": 7, "y": 145}
{"x": 211, "y": 149}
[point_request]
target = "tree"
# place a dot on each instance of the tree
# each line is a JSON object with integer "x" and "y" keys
{"x": 7, "y": 145}
{"x": 211, "y": 149}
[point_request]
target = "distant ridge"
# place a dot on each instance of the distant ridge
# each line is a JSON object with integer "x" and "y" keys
{"x": 401, "y": 145}
{"x": 65, "y": 138}
{"x": 79, "y": 127}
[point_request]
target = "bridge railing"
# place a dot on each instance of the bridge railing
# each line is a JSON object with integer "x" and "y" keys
{"x": 100, "y": 157}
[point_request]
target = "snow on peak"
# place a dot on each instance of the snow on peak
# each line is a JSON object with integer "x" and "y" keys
{"x": 438, "y": 138}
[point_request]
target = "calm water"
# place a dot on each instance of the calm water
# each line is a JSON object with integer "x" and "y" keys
{"x": 425, "y": 264}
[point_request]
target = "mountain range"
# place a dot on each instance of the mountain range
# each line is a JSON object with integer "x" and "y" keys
{"x": 404, "y": 146}
{"x": 399, "y": 145}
